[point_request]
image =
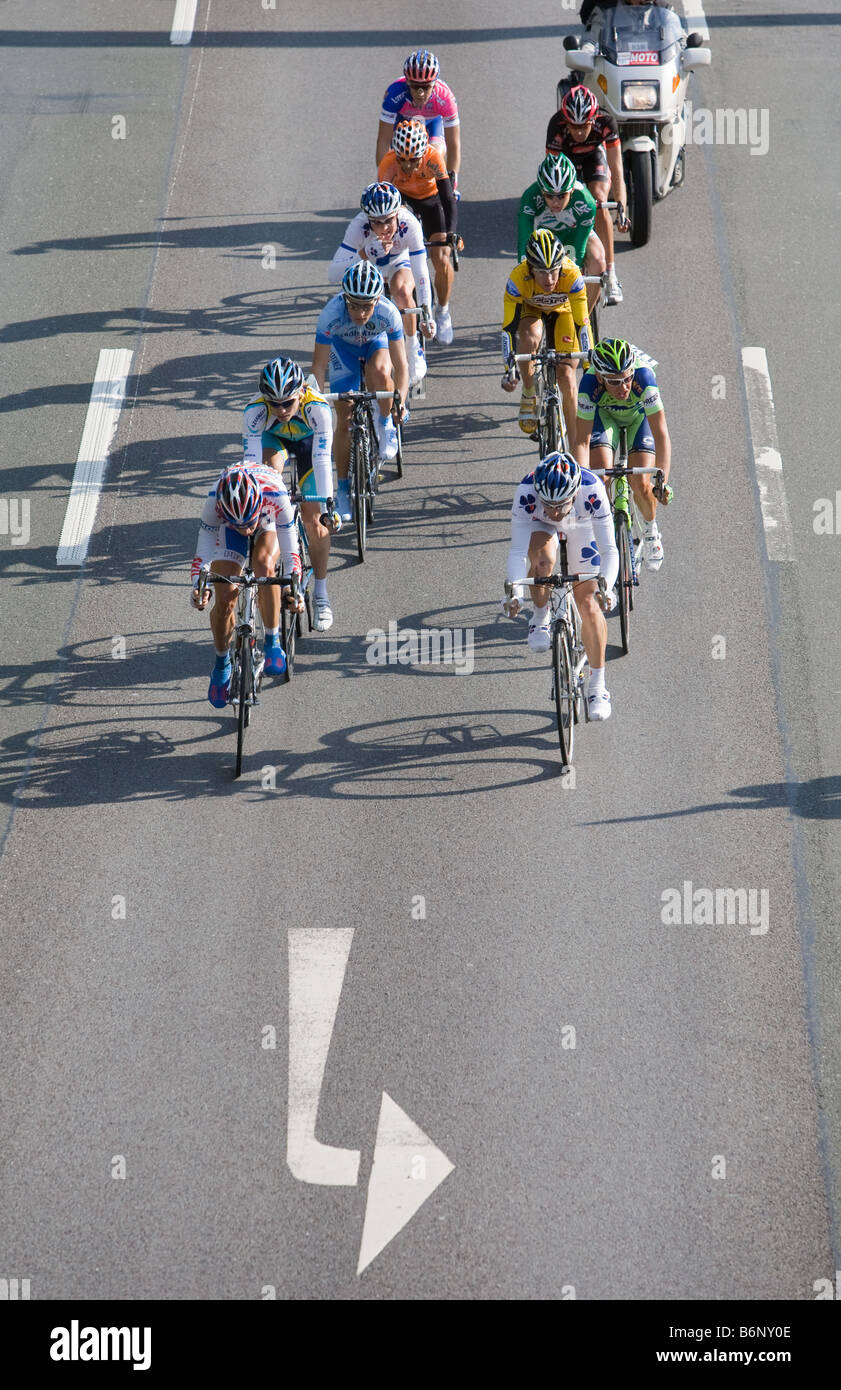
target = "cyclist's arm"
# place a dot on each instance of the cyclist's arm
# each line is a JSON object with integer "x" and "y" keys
{"x": 512, "y": 307}
{"x": 452, "y": 139}
{"x": 321, "y": 363}
{"x": 347, "y": 253}
{"x": 385, "y": 135}
{"x": 517, "y": 564}
{"x": 581, "y": 313}
{"x": 617, "y": 176}
{"x": 585, "y": 415}
{"x": 287, "y": 532}
{"x": 418, "y": 262}
{"x": 662, "y": 442}
{"x": 254, "y": 421}
{"x": 320, "y": 419}
{"x": 397, "y": 352}
{"x": 206, "y": 543}
{"x": 554, "y": 133}
{"x": 525, "y": 221}
{"x": 606, "y": 543}
{"x": 448, "y": 202}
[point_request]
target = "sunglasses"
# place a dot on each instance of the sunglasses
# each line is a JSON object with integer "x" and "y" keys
{"x": 616, "y": 380}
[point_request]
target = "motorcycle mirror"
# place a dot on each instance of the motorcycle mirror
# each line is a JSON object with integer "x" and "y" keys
{"x": 571, "y": 42}
{"x": 694, "y": 41}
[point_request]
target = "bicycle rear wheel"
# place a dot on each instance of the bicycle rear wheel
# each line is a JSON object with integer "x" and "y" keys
{"x": 625, "y": 579}
{"x": 563, "y": 691}
{"x": 594, "y": 322}
{"x": 372, "y": 469}
{"x": 398, "y": 462}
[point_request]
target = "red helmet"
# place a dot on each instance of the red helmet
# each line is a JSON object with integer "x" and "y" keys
{"x": 579, "y": 105}
{"x": 421, "y": 66}
{"x": 239, "y": 496}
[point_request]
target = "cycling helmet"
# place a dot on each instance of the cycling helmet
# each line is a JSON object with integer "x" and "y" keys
{"x": 543, "y": 250}
{"x": 280, "y": 379}
{"x": 612, "y": 356}
{"x": 363, "y": 280}
{"x": 410, "y": 140}
{"x": 557, "y": 478}
{"x": 556, "y": 174}
{"x": 579, "y": 105}
{"x": 380, "y": 200}
{"x": 421, "y": 66}
{"x": 239, "y": 496}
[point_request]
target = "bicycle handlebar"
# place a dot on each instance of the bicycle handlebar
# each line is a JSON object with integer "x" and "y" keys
{"x": 351, "y": 396}
{"x": 551, "y": 581}
{"x": 621, "y": 472}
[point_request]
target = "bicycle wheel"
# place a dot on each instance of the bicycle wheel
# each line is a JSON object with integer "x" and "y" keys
{"x": 372, "y": 468}
{"x": 625, "y": 580}
{"x": 398, "y": 462}
{"x": 245, "y": 687}
{"x": 594, "y": 323}
{"x": 554, "y": 435}
{"x": 288, "y": 637}
{"x": 358, "y": 486}
{"x": 562, "y": 689}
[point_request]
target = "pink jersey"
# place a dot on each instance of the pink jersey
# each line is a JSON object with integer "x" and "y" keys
{"x": 439, "y": 111}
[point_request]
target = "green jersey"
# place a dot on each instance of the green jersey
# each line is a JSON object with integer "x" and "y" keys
{"x": 572, "y": 227}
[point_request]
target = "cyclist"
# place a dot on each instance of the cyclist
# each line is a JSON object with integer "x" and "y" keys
{"x": 360, "y": 326}
{"x": 561, "y": 498}
{"x": 590, "y": 138}
{"x": 288, "y": 417}
{"x": 246, "y": 500}
{"x": 617, "y": 389}
{"x": 417, "y": 170}
{"x": 391, "y": 237}
{"x": 420, "y": 93}
{"x": 544, "y": 290}
{"x": 558, "y": 201}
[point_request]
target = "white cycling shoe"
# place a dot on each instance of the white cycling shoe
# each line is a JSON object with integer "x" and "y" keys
{"x": 652, "y": 549}
{"x": 444, "y": 325}
{"x": 539, "y": 639}
{"x": 598, "y": 705}
{"x": 323, "y": 615}
{"x": 387, "y": 439}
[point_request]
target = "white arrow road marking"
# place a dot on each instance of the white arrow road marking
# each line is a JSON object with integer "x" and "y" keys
{"x": 183, "y": 21}
{"x": 767, "y": 461}
{"x": 107, "y": 395}
{"x": 407, "y": 1169}
{"x": 318, "y": 958}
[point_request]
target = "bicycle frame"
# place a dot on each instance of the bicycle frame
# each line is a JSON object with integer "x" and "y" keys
{"x": 364, "y": 475}
{"x": 551, "y": 427}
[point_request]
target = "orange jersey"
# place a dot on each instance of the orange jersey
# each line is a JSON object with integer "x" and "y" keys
{"x": 422, "y": 182}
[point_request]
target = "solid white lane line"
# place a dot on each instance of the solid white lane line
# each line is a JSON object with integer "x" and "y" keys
{"x": 767, "y": 460}
{"x": 182, "y": 24}
{"x": 696, "y": 20}
{"x": 107, "y": 395}
{"x": 318, "y": 958}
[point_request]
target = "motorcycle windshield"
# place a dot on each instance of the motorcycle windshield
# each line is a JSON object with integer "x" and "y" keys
{"x": 641, "y": 36}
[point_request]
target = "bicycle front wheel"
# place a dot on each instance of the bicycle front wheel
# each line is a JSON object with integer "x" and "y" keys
{"x": 564, "y": 693}
{"x": 625, "y": 579}
{"x": 358, "y": 475}
{"x": 245, "y": 689}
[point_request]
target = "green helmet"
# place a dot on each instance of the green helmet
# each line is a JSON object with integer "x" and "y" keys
{"x": 556, "y": 174}
{"x": 612, "y": 356}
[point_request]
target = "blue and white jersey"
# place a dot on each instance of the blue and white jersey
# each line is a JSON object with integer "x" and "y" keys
{"x": 335, "y": 324}
{"x": 407, "y": 249}
{"x": 588, "y": 529}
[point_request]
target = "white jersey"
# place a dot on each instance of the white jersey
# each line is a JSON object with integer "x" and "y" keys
{"x": 219, "y": 541}
{"x": 407, "y": 249}
{"x": 588, "y": 529}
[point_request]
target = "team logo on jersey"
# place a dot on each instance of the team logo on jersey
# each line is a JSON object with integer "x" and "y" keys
{"x": 528, "y": 501}
{"x": 255, "y": 417}
{"x": 592, "y": 502}
{"x": 590, "y": 554}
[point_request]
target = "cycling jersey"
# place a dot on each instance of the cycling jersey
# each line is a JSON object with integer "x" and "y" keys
{"x": 438, "y": 111}
{"x": 588, "y": 529}
{"x": 567, "y": 302}
{"x": 422, "y": 182}
{"x": 407, "y": 250}
{"x": 572, "y": 226}
{"x": 603, "y": 131}
{"x": 310, "y": 426}
{"x": 352, "y": 343}
{"x": 644, "y": 398}
{"x": 218, "y": 540}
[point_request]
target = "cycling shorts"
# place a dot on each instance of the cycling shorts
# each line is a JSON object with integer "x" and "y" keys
{"x": 559, "y": 328}
{"x": 430, "y": 211}
{"x": 593, "y": 165}
{"x": 345, "y": 360}
{"x": 582, "y": 551}
{"x": 606, "y": 432}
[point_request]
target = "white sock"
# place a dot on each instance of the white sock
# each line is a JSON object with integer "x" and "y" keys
{"x": 539, "y": 614}
{"x": 650, "y": 529}
{"x": 272, "y": 631}
{"x": 596, "y": 680}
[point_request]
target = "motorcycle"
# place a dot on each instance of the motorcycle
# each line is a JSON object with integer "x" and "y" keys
{"x": 640, "y": 59}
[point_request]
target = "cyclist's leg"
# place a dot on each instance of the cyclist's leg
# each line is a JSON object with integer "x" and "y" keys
{"x": 343, "y": 376}
{"x": 543, "y": 548}
{"x": 378, "y": 375}
{"x": 641, "y": 454}
{"x": 564, "y": 339}
{"x": 594, "y": 264}
{"x": 223, "y": 614}
{"x": 264, "y": 560}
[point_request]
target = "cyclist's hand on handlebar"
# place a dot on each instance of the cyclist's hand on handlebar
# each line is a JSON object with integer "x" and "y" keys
{"x": 293, "y": 599}
{"x": 606, "y": 601}
{"x": 200, "y": 601}
{"x": 661, "y": 489}
{"x": 511, "y": 607}
{"x": 331, "y": 519}
{"x": 427, "y": 328}
{"x": 623, "y": 221}
{"x": 512, "y": 376}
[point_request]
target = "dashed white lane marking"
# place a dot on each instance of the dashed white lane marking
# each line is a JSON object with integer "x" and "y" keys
{"x": 407, "y": 1169}
{"x": 696, "y": 20}
{"x": 107, "y": 395}
{"x": 767, "y": 460}
{"x": 182, "y": 24}
{"x": 318, "y": 958}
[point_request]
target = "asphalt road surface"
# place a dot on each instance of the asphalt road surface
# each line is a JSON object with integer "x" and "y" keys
{"x": 404, "y": 978}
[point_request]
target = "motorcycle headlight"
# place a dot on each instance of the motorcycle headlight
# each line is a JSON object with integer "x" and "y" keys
{"x": 640, "y": 96}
